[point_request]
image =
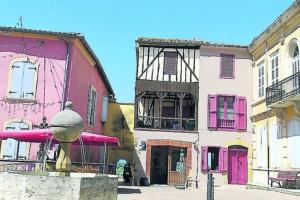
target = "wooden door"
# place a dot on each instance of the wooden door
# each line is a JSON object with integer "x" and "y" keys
{"x": 237, "y": 166}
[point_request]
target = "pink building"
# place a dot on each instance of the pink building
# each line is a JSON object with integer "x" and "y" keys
{"x": 40, "y": 70}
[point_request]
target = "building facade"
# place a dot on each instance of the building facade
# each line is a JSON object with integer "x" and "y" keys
{"x": 40, "y": 70}
{"x": 187, "y": 100}
{"x": 119, "y": 124}
{"x": 276, "y": 119}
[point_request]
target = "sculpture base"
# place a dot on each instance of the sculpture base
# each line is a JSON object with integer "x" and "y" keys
{"x": 51, "y": 186}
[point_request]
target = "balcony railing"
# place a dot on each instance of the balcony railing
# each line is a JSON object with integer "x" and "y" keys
{"x": 167, "y": 123}
{"x": 225, "y": 123}
{"x": 283, "y": 89}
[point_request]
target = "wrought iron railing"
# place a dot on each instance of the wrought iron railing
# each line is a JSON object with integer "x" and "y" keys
{"x": 168, "y": 123}
{"x": 283, "y": 89}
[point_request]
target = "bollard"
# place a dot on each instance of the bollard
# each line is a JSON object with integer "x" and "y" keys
{"x": 210, "y": 186}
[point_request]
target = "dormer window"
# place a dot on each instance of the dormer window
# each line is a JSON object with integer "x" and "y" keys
{"x": 170, "y": 63}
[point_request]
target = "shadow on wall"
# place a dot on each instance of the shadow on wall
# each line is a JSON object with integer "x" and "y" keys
{"x": 120, "y": 124}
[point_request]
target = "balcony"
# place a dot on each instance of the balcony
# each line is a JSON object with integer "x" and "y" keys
{"x": 166, "y": 123}
{"x": 283, "y": 93}
{"x": 226, "y": 123}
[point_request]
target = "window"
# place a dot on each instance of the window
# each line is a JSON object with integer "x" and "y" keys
{"x": 214, "y": 158}
{"x": 176, "y": 158}
{"x": 294, "y": 127}
{"x": 261, "y": 80}
{"x": 92, "y": 96}
{"x": 14, "y": 149}
{"x": 274, "y": 68}
{"x": 104, "y": 109}
{"x": 261, "y": 147}
{"x": 227, "y": 66}
{"x": 293, "y": 142}
{"x": 23, "y": 80}
{"x": 295, "y": 64}
{"x": 170, "y": 63}
{"x": 275, "y": 147}
{"x": 227, "y": 112}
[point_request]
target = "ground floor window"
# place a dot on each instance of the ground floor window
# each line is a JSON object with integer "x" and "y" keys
{"x": 175, "y": 159}
{"x": 14, "y": 149}
{"x": 213, "y": 158}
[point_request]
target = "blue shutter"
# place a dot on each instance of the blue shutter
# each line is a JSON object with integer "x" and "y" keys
{"x": 15, "y": 90}
{"x": 104, "y": 109}
{"x": 29, "y": 80}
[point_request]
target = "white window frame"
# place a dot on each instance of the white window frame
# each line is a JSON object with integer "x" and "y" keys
{"x": 261, "y": 79}
{"x": 91, "y": 107}
{"x": 22, "y": 96}
{"x": 274, "y": 67}
{"x": 6, "y": 143}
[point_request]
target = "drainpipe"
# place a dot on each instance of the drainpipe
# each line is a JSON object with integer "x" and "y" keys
{"x": 267, "y": 125}
{"x": 66, "y": 78}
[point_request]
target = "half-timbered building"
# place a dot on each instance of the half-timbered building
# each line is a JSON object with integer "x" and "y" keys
{"x": 187, "y": 100}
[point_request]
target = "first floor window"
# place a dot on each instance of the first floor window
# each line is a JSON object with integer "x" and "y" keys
{"x": 274, "y": 68}
{"x": 227, "y": 112}
{"x": 23, "y": 80}
{"x": 14, "y": 149}
{"x": 261, "y": 80}
{"x": 92, "y": 99}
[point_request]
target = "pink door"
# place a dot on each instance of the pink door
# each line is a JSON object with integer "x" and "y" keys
{"x": 237, "y": 166}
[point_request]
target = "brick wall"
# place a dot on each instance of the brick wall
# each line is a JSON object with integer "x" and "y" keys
{"x": 173, "y": 177}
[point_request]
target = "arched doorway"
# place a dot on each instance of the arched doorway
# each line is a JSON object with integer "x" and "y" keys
{"x": 120, "y": 167}
{"x": 237, "y": 165}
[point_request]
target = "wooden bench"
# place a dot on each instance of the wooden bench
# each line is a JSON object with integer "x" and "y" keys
{"x": 288, "y": 176}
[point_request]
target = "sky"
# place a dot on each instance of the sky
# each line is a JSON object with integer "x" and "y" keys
{"x": 112, "y": 26}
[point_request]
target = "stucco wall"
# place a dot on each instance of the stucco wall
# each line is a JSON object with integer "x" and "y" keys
{"x": 48, "y": 54}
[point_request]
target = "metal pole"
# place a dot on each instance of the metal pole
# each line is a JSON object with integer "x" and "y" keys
{"x": 104, "y": 158}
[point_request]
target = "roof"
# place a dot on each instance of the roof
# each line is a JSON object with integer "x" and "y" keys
{"x": 181, "y": 42}
{"x": 286, "y": 15}
{"x": 66, "y": 35}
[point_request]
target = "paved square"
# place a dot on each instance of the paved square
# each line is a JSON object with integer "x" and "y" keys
{"x": 227, "y": 192}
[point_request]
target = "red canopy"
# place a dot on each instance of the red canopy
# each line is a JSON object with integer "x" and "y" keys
{"x": 42, "y": 135}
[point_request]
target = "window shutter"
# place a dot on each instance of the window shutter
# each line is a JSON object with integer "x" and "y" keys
{"x": 240, "y": 113}
{"x": 16, "y": 80}
{"x": 223, "y": 159}
{"x": 227, "y": 66}
{"x": 28, "y": 80}
{"x": 104, "y": 109}
{"x": 89, "y": 106}
{"x": 204, "y": 151}
{"x": 212, "y": 111}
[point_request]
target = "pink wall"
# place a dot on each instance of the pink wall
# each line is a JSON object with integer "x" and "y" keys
{"x": 51, "y": 54}
{"x": 82, "y": 76}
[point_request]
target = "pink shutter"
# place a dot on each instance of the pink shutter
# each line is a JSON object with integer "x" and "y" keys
{"x": 204, "y": 151}
{"x": 212, "y": 111}
{"x": 223, "y": 159}
{"x": 240, "y": 110}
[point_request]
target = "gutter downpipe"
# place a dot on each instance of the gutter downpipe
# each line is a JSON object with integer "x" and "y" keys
{"x": 65, "y": 75}
{"x": 267, "y": 125}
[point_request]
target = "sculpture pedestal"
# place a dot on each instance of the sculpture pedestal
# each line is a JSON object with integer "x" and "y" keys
{"x": 51, "y": 186}
{"x": 63, "y": 163}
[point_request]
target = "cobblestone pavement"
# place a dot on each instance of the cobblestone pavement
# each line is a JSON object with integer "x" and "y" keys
{"x": 221, "y": 193}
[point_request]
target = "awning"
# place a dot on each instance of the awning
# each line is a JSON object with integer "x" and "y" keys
{"x": 44, "y": 135}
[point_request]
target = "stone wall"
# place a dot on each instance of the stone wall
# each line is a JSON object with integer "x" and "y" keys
{"x": 78, "y": 186}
